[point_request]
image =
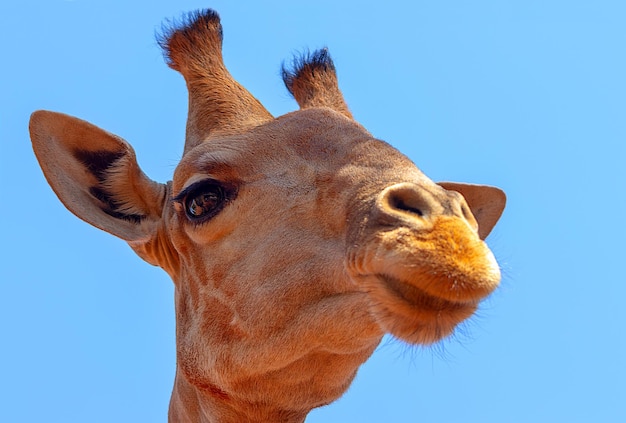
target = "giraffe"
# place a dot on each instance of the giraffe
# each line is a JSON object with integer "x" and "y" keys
{"x": 294, "y": 243}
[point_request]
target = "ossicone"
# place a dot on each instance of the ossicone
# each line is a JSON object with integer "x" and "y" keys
{"x": 217, "y": 103}
{"x": 312, "y": 80}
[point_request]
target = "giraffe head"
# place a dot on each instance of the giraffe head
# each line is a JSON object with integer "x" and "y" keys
{"x": 294, "y": 242}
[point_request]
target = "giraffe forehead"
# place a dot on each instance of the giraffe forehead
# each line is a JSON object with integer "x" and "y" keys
{"x": 318, "y": 138}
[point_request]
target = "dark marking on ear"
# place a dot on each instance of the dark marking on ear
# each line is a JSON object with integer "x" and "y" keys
{"x": 307, "y": 63}
{"x": 133, "y": 218}
{"x": 112, "y": 207}
{"x": 98, "y": 163}
{"x": 102, "y": 195}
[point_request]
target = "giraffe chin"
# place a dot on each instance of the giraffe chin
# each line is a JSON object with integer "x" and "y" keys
{"x": 413, "y": 315}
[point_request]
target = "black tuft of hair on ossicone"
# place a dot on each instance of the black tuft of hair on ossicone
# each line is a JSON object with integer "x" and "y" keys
{"x": 317, "y": 61}
{"x": 189, "y": 24}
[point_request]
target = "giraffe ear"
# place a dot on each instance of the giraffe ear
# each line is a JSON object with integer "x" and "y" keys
{"x": 96, "y": 176}
{"x": 486, "y": 202}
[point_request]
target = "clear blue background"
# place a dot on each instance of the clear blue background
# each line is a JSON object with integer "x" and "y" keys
{"x": 527, "y": 95}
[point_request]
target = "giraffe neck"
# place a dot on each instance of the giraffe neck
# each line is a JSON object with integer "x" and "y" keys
{"x": 211, "y": 405}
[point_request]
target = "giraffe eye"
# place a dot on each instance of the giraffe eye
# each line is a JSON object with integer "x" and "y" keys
{"x": 202, "y": 200}
{"x": 204, "y": 203}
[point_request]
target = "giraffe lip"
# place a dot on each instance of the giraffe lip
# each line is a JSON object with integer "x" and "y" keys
{"x": 412, "y": 314}
{"x": 417, "y": 297}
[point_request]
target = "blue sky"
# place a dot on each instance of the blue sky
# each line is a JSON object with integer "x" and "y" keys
{"x": 526, "y": 95}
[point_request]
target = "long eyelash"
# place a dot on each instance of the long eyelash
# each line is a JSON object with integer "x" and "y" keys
{"x": 180, "y": 198}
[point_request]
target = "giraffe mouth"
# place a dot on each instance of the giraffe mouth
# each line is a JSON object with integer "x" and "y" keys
{"x": 419, "y": 298}
{"x": 412, "y": 314}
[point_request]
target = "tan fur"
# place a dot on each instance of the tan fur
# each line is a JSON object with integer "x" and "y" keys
{"x": 326, "y": 239}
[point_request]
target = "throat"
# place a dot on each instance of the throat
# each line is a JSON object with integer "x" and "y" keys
{"x": 209, "y": 404}
{"x": 283, "y": 395}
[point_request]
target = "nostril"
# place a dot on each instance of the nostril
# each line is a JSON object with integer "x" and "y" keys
{"x": 406, "y": 199}
{"x": 461, "y": 209}
{"x": 467, "y": 213}
{"x": 399, "y": 203}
